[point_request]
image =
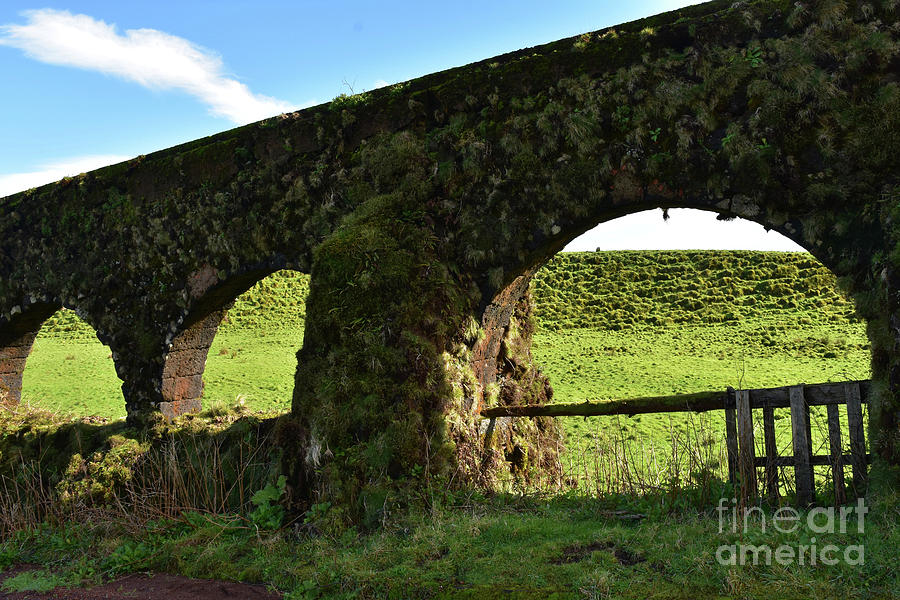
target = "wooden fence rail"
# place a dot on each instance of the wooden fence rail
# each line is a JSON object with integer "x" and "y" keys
{"x": 739, "y": 431}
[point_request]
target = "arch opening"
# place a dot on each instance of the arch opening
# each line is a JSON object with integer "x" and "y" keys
{"x": 16, "y": 342}
{"x": 68, "y": 369}
{"x": 242, "y": 353}
{"x": 618, "y": 324}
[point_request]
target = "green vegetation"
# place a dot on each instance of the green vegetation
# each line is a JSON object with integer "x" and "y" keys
{"x": 610, "y": 325}
{"x": 618, "y": 325}
{"x": 468, "y": 546}
{"x": 735, "y": 110}
{"x": 401, "y": 202}
{"x": 69, "y": 371}
{"x": 34, "y": 581}
{"x": 624, "y": 290}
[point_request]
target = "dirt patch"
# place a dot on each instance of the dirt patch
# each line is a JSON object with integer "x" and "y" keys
{"x": 579, "y": 552}
{"x": 627, "y": 558}
{"x": 145, "y": 587}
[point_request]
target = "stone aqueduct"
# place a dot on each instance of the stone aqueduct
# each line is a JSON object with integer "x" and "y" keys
{"x": 421, "y": 211}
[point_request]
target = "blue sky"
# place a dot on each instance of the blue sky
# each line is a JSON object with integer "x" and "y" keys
{"x": 89, "y": 83}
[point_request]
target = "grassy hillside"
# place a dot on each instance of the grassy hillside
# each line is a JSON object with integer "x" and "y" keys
{"x": 624, "y": 289}
{"x": 604, "y": 290}
{"x": 276, "y": 302}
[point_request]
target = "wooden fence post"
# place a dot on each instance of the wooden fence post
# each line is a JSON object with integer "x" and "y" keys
{"x": 837, "y": 453}
{"x": 803, "y": 472}
{"x": 771, "y": 472}
{"x": 731, "y": 442}
{"x": 746, "y": 450}
{"x": 857, "y": 438}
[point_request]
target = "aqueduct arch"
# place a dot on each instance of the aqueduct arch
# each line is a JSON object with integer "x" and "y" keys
{"x": 185, "y": 359}
{"x": 17, "y": 340}
{"x": 421, "y": 209}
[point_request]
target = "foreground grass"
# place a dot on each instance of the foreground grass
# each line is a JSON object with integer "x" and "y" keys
{"x": 203, "y": 500}
{"x": 473, "y": 547}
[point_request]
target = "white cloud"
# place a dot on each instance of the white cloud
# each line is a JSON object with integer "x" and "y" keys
{"x": 686, "y": 229}
{"x": 17, "y": 182}
{"x": 151, "y": 58}
{"x": 380, "y": 83}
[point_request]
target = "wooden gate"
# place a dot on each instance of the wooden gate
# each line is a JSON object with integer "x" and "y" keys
{"x": 739, "y": 406}
{"x": 742, "y": 459}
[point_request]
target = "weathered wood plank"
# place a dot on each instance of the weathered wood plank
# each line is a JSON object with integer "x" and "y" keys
{"x": 746, "y": 450}
{"x": 837, "y": 454}
{"x": 699, "y": 402}
{"x": 731, "y": 438}
{"x": 771, "y": 472}
{"x": 819, "y": 394}
{"x": 857, "y": 438}
{"x": 803, "y": 473}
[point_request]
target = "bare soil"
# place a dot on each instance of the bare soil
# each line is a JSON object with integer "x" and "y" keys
{"x": 579, "y": 552}
{"x": 155, "y": 586}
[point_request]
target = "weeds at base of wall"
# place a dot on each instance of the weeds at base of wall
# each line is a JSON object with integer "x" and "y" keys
{"x": 55, "y": 471}
{"x": 226, "y": 464}
{"x": 207, "y": 470}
